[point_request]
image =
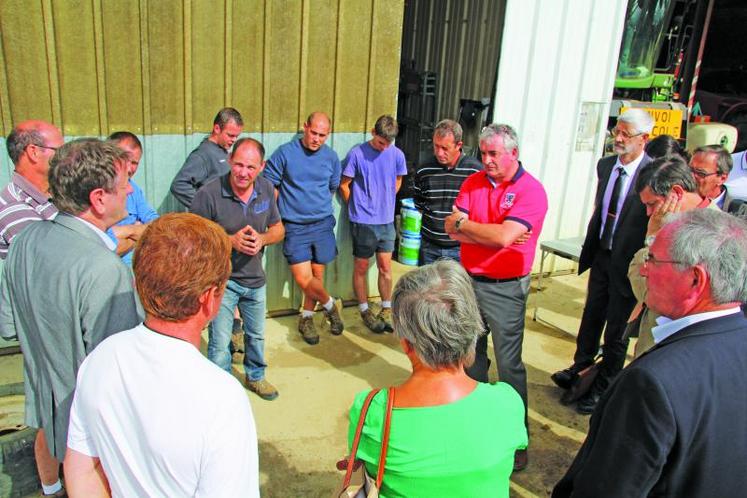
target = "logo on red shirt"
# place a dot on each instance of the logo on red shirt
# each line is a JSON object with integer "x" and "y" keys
{"x": 508, "y": 200}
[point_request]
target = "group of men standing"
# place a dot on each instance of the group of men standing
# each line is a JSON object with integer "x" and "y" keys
{"x": 488, "y": 215}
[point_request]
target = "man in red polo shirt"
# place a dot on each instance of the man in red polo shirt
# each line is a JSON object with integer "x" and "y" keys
{"x": 496, "y": 208}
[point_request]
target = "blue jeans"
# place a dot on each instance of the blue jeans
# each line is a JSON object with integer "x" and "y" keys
{"x": 430, "y": 252}
{"x": 251, "y": 304}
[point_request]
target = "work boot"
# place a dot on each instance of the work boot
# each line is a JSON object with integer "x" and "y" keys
{"x": 308, "y": 330}
{"x": 373, "y": 322}
{"x": 385, "y": 315}
{"x": 262, "y": 388}
{"x": 335, "y": 321}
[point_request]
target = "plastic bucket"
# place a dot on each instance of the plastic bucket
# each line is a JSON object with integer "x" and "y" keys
{"x": 409, "y": 249}
{"x": 410, "y": 222}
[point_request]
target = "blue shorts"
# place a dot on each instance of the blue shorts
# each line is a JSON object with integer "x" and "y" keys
{"x": 368, "y": 239}
{"x": 313, "y": 242}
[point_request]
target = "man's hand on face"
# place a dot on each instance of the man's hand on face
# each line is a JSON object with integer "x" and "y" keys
{"x": 672, "y": 204}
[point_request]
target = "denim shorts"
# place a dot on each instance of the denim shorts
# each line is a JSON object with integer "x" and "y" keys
{"x": 313, "y": 242}
{"x": 368, "y": 239}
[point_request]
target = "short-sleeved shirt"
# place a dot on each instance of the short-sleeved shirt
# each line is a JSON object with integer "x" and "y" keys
{"x": 306, "y": 181}
{"x": 21, "y": 204}
{"x": 155, "y": 412}
{"x": 463, "y": 448}
{"x": 521, "y": 199}
{"x": 217, "y": 202}
{"x": 373, "y": 190}
{"x": 435, "y": 189}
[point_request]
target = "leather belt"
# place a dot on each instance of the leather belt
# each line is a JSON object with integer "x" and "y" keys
{"x": 488, "y": 280}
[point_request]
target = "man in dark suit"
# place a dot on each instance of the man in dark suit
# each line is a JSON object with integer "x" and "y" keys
{"x": 670, "y": 424}
{"x": 615, "y": 232}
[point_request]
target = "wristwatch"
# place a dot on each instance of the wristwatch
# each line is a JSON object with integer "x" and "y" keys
{"x": 458, "y": 223}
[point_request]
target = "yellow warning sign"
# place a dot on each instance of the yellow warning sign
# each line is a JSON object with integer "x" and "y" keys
{"x": 667, "y": 121}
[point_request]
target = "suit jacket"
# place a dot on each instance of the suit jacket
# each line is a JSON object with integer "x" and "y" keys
{"x": 629, "y": 234}
{"x": 62, "y": 293}
{"x": 672, "y": 423}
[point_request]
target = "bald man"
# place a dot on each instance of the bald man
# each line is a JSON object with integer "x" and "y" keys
{"x": 306, "y": 174}
{"x": 25, "y": 199}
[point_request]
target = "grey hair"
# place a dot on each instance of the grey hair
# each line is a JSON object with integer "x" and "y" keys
{"x": 506, "y": 132}
{"x": 435, "y": 310}
{"x": 718, "y": 242}
{"x": 449, "y": 126}
{"x": 19, "y": 139}
{"x": 80, "y": 167}
{"x": 641, "y": 120}
{"x": 724, "y": 161}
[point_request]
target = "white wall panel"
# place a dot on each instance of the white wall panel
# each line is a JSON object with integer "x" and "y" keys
{"x": 557, "y": 55}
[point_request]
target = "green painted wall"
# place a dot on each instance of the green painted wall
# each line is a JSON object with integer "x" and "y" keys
{"x": 162, "y": 68}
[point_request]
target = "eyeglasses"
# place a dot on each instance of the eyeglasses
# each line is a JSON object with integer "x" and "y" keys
{"x": 46, "y": 147}
{"x": 702, "y": 174}
{"x": 652, "y": 260}
{"x": 626, "y": 136}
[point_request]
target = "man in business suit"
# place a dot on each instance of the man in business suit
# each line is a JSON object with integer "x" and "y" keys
{"x": 64, "y": 289}
{"x": 670, "y": 424}
{"x": 615, "y": 232}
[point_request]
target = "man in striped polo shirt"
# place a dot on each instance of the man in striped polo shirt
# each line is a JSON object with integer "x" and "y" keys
{"x": 25, "y": 199}
{"x": 436, "y": 184}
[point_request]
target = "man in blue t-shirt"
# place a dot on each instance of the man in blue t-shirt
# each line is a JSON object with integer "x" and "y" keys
{"x": 306, "y": 174}
{"x": 370, "y": 180}
{"x": 127, "y": 232}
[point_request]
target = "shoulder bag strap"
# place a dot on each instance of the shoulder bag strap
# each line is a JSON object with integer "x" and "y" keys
{"x": 385, "y": 437}
{"x": 356, "y": 440}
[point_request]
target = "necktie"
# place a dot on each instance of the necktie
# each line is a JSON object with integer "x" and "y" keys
{"x": 609, "y": 223}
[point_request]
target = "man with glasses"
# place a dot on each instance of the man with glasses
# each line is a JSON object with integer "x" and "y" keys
{"x": 711, "y": 165}
{"x": 671, "y": 423}
{"x": 665, "y": 185}
{"x": 25, "y": 199}
{"x": 614, "y": 234}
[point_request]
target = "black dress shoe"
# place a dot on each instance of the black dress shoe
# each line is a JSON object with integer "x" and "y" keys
{"x": 521, "y": 460}
{"x": 588, "y": 402}
{"x": 564, "y": 379}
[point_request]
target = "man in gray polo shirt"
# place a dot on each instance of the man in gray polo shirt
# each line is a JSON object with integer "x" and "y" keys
{"x": 243, "y": 203}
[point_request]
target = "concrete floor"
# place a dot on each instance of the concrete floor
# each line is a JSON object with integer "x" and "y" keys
{"x": 303, "y": 433}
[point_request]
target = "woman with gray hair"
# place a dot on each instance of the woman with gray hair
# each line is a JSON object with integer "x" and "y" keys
{"x": 449, "y": 435}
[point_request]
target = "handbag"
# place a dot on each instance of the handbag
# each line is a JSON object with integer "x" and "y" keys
{"x": 357, "y": 483}
{"x": 582, "y": 384}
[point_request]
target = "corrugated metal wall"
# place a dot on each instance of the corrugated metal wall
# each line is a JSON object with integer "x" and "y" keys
{"x": 555, "y": 81}
{"x": 162, "y": 68}
{"x": 459, "y": 40}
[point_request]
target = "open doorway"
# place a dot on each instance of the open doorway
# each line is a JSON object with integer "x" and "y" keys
{"x": 449, "y": 68}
